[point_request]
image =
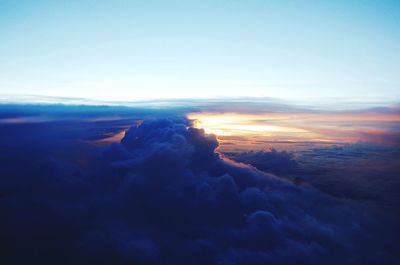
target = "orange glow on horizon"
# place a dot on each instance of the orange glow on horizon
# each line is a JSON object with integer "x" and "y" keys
{"x": 234, "y": 124}
{"x": 291, "y": 127}
{"x": 227, "y": 125}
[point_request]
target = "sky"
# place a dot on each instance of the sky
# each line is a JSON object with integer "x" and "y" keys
{"x": 199, "y": 132}
{"x": 135, "y": 50}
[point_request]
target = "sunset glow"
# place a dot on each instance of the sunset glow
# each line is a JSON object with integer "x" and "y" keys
{"x": 239, "y": 124}
{"x": 292, "y": 127}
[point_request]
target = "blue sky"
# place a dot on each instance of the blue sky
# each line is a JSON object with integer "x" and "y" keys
{"x": 134, "y": 50}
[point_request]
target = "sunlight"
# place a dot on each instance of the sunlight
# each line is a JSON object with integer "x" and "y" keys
{"x": 230, "y": 124}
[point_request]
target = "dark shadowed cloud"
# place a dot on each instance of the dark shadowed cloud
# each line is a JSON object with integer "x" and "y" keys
{"x": 164, "y": 196}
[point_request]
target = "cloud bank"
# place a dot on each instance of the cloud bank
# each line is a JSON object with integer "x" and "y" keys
{"x": 164, "y": 196}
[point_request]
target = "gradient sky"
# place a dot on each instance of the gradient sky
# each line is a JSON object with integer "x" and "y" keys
{"x": 132, "y": 50}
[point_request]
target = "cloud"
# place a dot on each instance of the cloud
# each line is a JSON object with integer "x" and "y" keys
{"x": 164, "y": 196}
{"x": 363, "y": 173}
{"x": 273, "y": 161}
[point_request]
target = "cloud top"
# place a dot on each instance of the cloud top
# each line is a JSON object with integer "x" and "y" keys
{"x": 164, "y": 196}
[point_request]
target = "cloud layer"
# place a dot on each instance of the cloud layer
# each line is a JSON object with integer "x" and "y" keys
{"x": 164, "y": 196}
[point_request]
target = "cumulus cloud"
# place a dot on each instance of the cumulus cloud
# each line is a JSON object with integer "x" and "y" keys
{"x": 164, "y": 196}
